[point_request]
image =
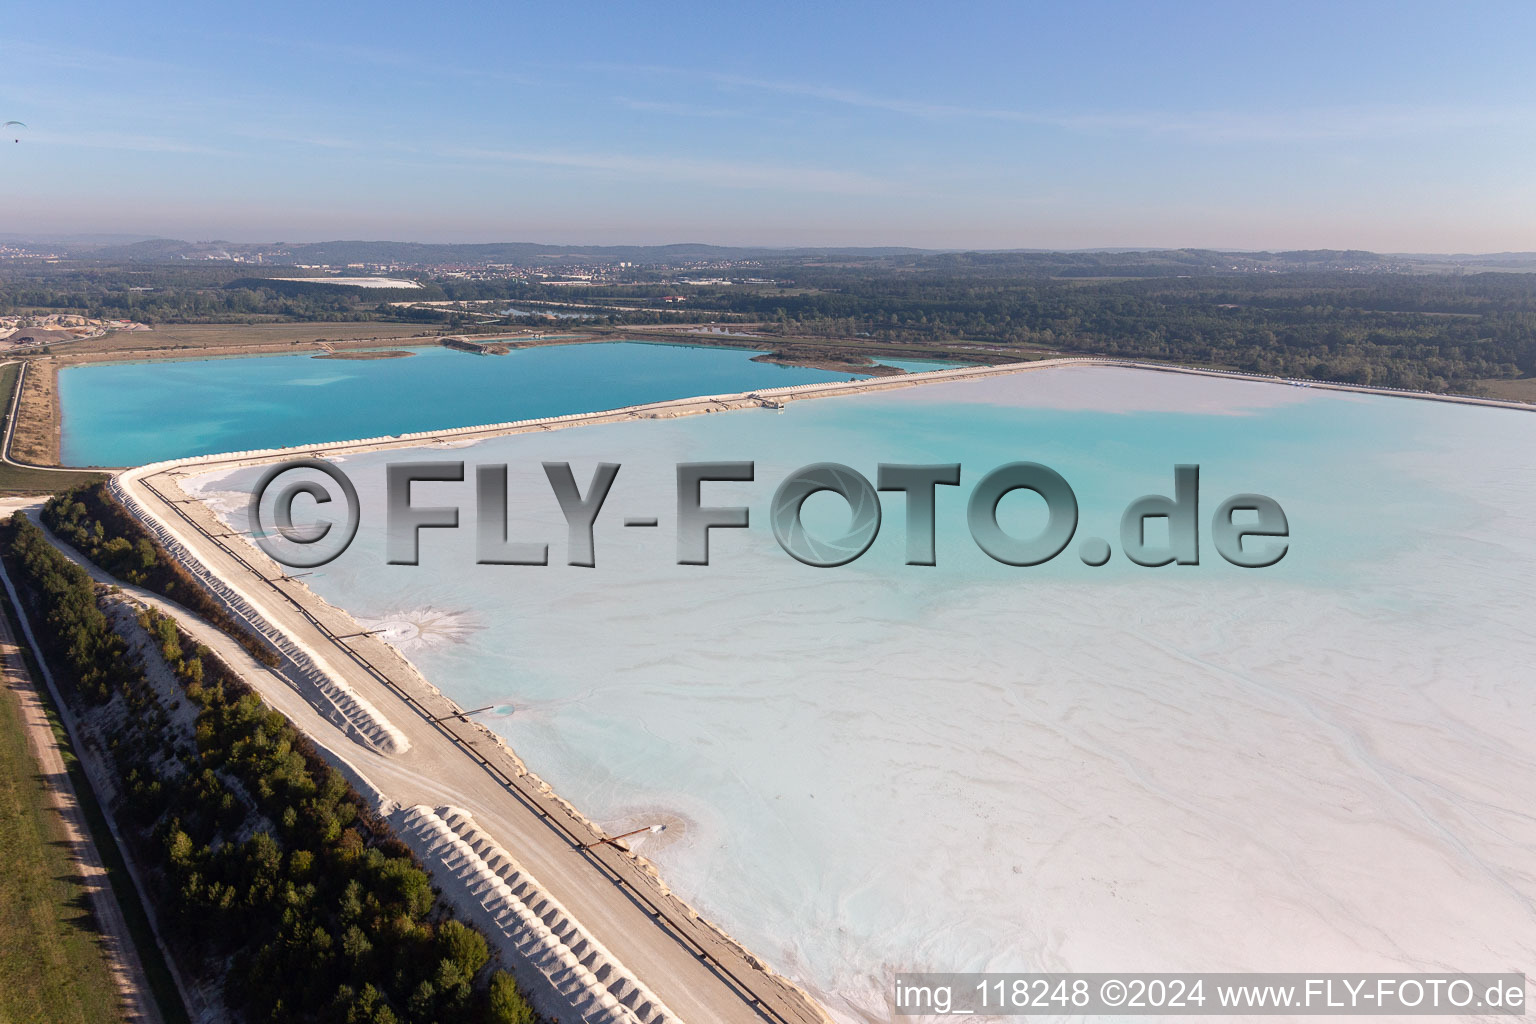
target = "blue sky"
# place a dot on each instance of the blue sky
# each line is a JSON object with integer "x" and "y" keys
{"x": 1395, "y": 127}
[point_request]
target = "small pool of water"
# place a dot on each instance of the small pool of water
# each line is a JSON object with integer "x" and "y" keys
{"x": 922, "y": 365}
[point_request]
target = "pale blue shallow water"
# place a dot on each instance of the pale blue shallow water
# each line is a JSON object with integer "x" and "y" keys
{"x": 128, "y": 414}
{"x": 879, "y": 767}
{"x": 921, "y": 365}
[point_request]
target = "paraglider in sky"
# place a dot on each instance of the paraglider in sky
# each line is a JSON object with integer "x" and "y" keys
{"x": 13, "y": 124}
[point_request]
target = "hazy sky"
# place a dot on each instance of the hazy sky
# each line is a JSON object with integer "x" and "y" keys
{"x": 1395, "y": 126}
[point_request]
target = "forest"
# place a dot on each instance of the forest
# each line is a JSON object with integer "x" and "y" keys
{"x": 1414, "y": 331}
{"x": 267, "y": 871}
{"x": 1347, "y": 317}
{"x": 188, "y": 293}
{"x": 103, "y": 531}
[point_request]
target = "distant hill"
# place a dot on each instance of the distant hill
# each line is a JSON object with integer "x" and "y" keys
{"x": 79, "y": 241}
{"x": 520, "y": 254}
{"x": 152, "y": 250}
{"x": 1078, "y": 263}
{"x": 544, "y": 253}
{"x": 1159, "y": 262}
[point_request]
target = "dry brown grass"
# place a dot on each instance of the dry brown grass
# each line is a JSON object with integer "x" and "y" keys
{"x": 1522, "y": 389}
{"x": 52, "y": 965}
{"x": 36, "y": 439}
{"x": 187, "y": 338}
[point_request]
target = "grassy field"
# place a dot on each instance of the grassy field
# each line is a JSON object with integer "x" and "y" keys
{"x": 1521, "y": 389}
{"x": 170, "y": 337}
{"x": 51, "y": 967}
{"x": 161, "y": 984}
{"x": 17, "y": 480}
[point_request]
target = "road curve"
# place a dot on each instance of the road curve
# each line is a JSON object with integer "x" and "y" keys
{"x": 698, "y": 972}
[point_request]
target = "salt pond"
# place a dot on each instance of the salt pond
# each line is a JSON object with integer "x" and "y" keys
{"x": 1326, "y": 764}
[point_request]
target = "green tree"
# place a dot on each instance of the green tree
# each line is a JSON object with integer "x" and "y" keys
{"x": 465, "y": 947}
{"x": 506, "y": 1003}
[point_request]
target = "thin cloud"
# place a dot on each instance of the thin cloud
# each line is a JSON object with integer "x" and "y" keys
{"x": 280, "y": 135}
{"x": 1315, "y": 125}
{"x": 731, "y": 174}
{"x": 1346, "y": 122}
{"x": 415, "y": 63}
{"x": 728, "y": 174}
{"x": 123, "y": 142}
{"x": 49, "y": 55}
{"x": 674, "y": 109}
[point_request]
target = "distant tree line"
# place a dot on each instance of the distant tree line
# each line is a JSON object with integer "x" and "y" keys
{"x": 1395, "y": 330}
{"x": 276, "y": 876}
{"x": 1435, "y": 332}
{"x": 1281, "y": 314}
{"x": 189, "y": 294}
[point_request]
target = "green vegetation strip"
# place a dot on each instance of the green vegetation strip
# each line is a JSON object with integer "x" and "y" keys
{"x": 91, "y": 520}
{"x": 162, "y": 985}
{"x": 52, "y": 967}
{"x": 271, "y": 874}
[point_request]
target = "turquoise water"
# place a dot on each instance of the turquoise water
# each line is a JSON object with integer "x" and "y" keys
{"x": 128, "y": 414}
{"x": 971, "y": 766}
